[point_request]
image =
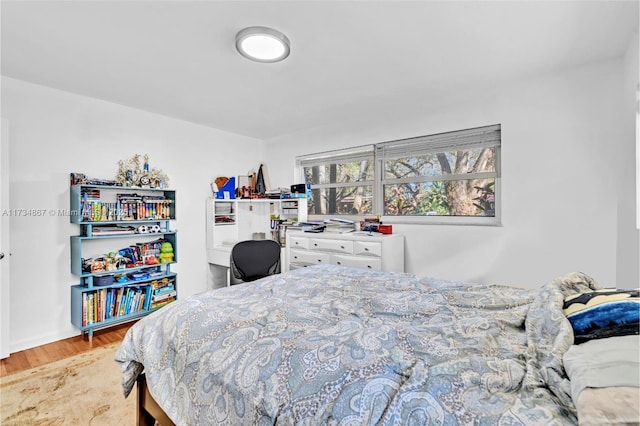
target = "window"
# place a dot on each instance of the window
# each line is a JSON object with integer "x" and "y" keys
{"x": 451, "y": 177}
{"x": 342, "y": 181}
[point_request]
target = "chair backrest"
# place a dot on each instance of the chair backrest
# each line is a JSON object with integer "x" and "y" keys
{"x": 254, "y": 259}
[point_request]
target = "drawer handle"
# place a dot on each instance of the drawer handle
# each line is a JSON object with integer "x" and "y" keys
{"x": 338, "y": 263}
{"x": 315, "y": 244}
{"x": 342, "y": 247}
{"x": 366, "y": 249}
{"x": 369, "y": 266}
{"x": 295, "y": 257}
{"x": 319, "y": 260}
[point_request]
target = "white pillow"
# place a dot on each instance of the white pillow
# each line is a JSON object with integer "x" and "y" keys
{"x": 605, "y": 380}
{"x": 601, "y": 363}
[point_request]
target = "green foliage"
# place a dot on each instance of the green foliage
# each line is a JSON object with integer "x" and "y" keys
{"x": 435, "y": 200}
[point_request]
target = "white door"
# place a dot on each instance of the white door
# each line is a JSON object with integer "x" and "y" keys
{"x": 4, "y": 240}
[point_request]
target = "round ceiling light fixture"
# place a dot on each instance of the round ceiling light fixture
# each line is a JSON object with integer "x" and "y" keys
{"x": 262, "y": 44}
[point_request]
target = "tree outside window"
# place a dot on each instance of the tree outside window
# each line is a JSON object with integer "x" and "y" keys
{"x": 453, "y": 174}
{"x": 453, "y": 183}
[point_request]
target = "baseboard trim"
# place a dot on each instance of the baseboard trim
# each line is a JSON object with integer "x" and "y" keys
{"x": 21, "y": 345}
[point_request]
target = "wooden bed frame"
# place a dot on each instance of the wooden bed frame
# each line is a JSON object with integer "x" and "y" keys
{"x": 148, "y": 412}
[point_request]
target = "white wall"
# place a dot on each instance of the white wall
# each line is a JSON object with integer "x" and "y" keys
{"x": 628, "y": 234}
{"x": 629, "y": 243}
{"x": 563, "y": 138}
{"x": 53, "y": 133}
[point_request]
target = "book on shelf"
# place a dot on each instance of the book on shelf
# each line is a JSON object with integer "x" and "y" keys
{"x": 141, "y": 302}
{"x": 164, "y": 289}
{"x": 102, "y": 304}
{"x": 164, "y": 282}
{"x": 127, "y": 301}
{"x": 165, "y": 302}
{"x": 125, "y": 198}
{"x": 113, "y": 230}
{"x": 163, "y": 299}
{"x": 90, "y": 310}
{"x": 108, "y": 304}
{"x": 84, "y": 309}
{"x": 90, "y": 193}
{"x": 147, "y": 298}
{"x": 116, "y": 311}
{"x": 163, "y": 296}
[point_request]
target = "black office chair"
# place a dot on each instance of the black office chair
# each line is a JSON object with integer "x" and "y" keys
{"x": 254, "y": 259}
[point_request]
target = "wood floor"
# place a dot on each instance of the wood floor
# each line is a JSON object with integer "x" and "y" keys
{"x": 55, "y": 351}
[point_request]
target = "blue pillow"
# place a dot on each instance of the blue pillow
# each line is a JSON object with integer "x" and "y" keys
{"x": 603, "y": 313}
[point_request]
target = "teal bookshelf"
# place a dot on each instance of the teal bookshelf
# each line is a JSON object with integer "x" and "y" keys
{"x": 123, "y": 254}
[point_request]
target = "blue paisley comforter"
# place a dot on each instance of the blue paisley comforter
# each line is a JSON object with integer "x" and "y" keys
{"x": 328, "y": 345}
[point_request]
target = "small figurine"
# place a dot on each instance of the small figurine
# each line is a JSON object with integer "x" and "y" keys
{"x": 166, "y": 252}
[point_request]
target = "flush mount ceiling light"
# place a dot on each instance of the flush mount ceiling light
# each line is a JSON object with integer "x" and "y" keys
{"x": 262, "y": 44}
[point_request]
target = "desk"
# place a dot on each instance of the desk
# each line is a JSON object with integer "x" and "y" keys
{"x": 230, "y": 221}
{"x": 219, "y": 260}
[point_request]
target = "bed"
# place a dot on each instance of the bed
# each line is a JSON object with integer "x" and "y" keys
{"x": 340, "y": 346}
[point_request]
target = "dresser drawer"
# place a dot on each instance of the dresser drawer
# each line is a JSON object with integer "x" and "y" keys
{"x": 309, "y": 257}
{"x": 298, "y": 242}
{"x": 361, "y": 262}
{"x": 336, "y": 246}
{"x": 367, "y": 248}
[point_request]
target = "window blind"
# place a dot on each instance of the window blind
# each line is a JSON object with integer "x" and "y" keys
{"x": 479, "y": 137}
{"x": 335, "y": 157}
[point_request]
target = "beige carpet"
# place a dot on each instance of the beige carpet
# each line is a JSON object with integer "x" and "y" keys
{"x": 81, "y": 390}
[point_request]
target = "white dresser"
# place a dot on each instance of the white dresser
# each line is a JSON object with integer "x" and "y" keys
{"x": 376, "y": 252}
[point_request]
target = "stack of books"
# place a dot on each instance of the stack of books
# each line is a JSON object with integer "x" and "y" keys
{"x": 311, "y": 226}
{"x": 341, "y": 226}
{"x": 163, "y": 292}
{"x": 223, "y": 208}
{"x": 276, "y": 193}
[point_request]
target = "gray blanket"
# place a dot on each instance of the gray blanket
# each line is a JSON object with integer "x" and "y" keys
{"x": 340, "y": 346}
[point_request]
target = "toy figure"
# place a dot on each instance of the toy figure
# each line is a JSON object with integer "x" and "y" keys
{"x": 166, "y": 252}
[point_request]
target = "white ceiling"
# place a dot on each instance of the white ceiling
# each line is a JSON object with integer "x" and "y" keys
{"x": 349, "y": 59}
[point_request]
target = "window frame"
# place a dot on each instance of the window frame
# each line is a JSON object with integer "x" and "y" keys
{"x": 485, "y": 136}
{"x": 341, "y": 156}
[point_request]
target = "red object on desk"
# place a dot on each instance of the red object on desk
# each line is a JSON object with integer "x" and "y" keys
{"x": 385, "y": 229}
